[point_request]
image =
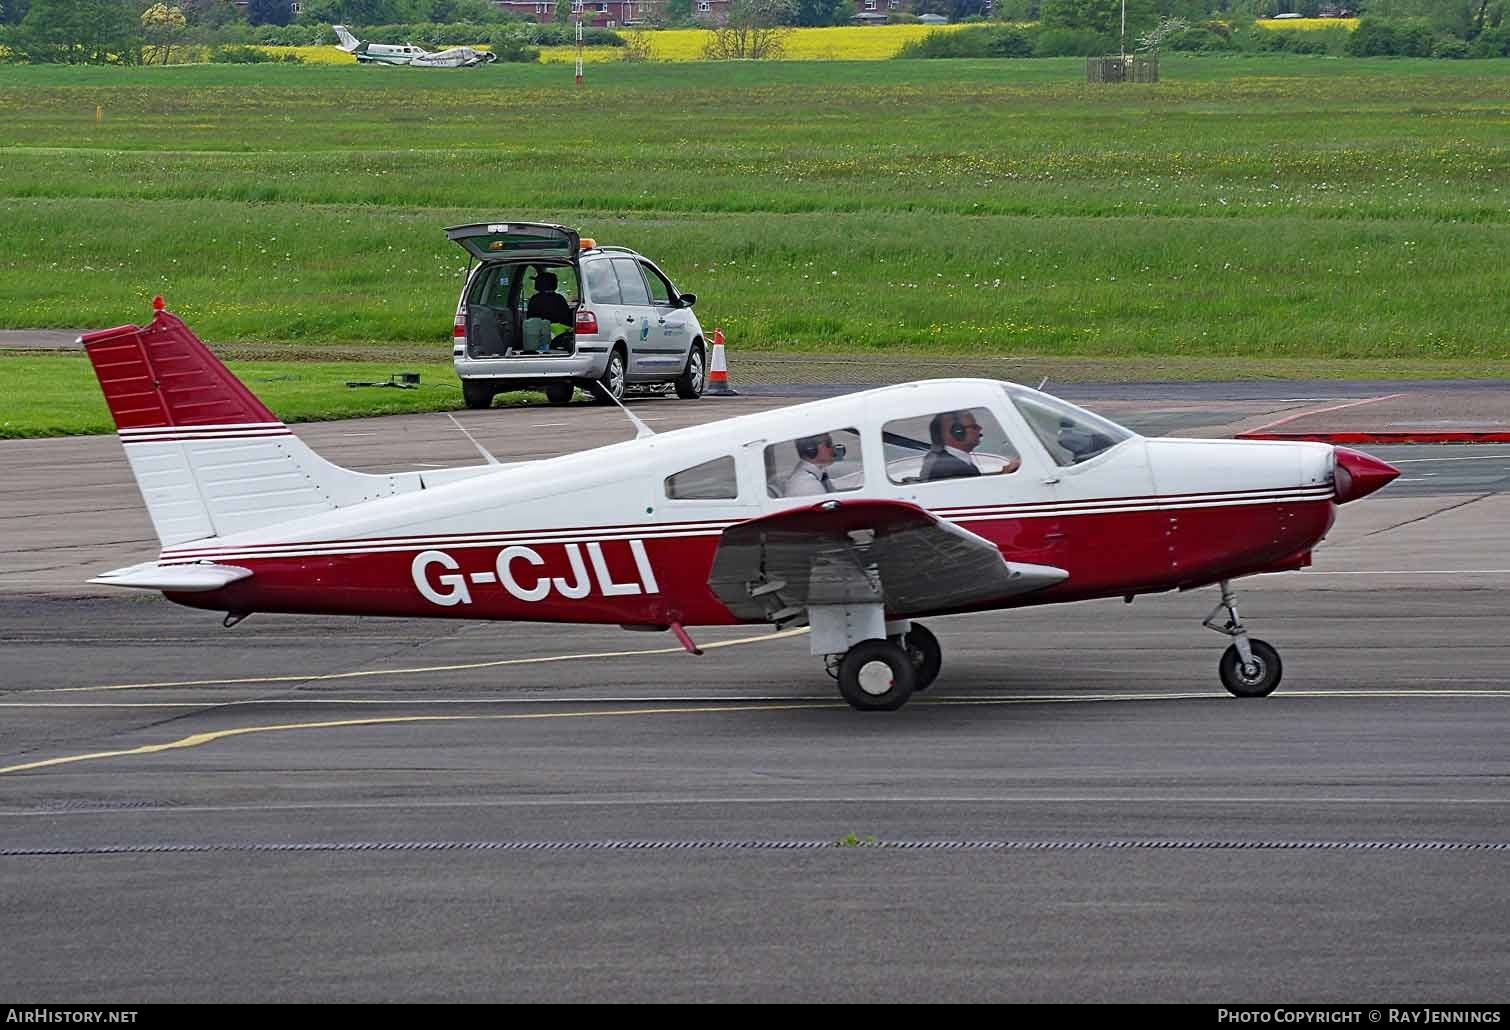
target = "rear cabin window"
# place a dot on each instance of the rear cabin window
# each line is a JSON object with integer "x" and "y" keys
{"x": 566, "y": 281}
{"x": 602, "y": 285}
{"x": 821, "y": 463}
{"x": 711, "y": 481}
{"x": 631, "y": 283}
{"x": 947, "y": 445}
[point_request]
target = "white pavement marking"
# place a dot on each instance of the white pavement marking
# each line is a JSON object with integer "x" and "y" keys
{"x": 368, "y": 673}
{"x": 1409, "y": 572}
{"x": 752, "y": 699}
{"x": 1320, "y": 411}
{"x": 1476, "y": 457}
{"x": 721, "y": 706}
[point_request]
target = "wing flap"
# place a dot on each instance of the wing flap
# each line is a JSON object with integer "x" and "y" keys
{"x": 863, "y": 552}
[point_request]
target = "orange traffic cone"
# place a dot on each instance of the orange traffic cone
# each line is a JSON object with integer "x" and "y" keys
{"x": 718, "y": 370}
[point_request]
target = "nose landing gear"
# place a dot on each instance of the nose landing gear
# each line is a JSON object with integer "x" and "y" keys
{"x": 1250, "y": 667}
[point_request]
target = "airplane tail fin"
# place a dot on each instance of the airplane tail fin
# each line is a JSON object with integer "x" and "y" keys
{"x": 209, "y": 457}
{"x": 348, "y": 43}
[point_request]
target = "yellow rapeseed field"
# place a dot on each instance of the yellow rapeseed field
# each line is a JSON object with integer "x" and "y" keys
{"x": 845, "y": 43}
{"x": 1307, "y": 23}
{"x": 314, "y": 54}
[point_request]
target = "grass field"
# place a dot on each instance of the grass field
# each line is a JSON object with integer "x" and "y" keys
{"x": 1281, "y": 206}
{"x": 56, "y": 394}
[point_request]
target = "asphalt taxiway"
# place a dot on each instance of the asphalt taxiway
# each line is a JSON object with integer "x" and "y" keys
{"x": 390, "y": 810}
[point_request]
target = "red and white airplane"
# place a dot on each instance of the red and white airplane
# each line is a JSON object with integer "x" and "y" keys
{"x": 854, "y": 516}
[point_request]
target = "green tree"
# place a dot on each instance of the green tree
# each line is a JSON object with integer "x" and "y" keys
{"x": 163, "y": 27}
{"x": 269, "y": 12}
{"x": 824, "y": 12}
{"x": 675, "y": 12}
{"x": 210, "y": 14}
{"x": 1103, "y": 17}
{"x": 512, "y": 43}
{"x": 79, "y": 32}
{"x": 756, "y": 30}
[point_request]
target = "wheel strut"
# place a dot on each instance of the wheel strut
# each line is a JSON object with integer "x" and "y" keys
{"x": 1234, "y": 626}
{"x": 1250, "y": 667}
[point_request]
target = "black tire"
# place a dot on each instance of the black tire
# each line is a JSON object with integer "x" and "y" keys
{"x": 866, "y": 686}
{"x": 1264, "y": 677}
{"x": 614, "y": 379}
{"x": 477, "y": 393}
{"x": 689, "y": 385}
{"x": 927, "y": 656}
{"x": 560, "y": 393}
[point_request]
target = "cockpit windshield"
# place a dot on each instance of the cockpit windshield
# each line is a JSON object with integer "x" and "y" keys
{"x": 1070, "y": 434}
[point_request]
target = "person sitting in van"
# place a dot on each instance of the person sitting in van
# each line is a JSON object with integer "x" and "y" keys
{"x": 546, "y": 308}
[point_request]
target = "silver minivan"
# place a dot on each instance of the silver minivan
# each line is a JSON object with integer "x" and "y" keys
{"x": 543, "y": 308}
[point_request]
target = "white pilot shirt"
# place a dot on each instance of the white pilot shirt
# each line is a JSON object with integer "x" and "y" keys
{"x": 806, "y": 480}
{"x": 963, "y": 456}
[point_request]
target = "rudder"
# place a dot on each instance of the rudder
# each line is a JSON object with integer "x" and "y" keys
{"x": 209, "y": 457}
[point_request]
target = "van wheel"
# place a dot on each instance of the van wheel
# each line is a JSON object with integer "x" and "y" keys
{"x": 476, "y": 393}
{"x": 559, "y": 393}
{"x": 612, "y": 383}
{"x": 689, "y": 385}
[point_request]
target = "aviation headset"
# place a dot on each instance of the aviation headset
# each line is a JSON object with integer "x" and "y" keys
{"x": 807, "y": 447}
{"x": 957, "y": 431}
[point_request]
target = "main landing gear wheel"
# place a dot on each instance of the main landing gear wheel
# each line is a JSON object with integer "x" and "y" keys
{"x": 1257, "y": 678}
{"x": 927, "y": 657}
{"x": 877, "y": 676}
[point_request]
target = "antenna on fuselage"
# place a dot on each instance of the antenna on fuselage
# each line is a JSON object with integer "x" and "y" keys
{"x": 485, "y": 453}
{"x": 641, "y": 430}
{"x": 1045, "y": 379}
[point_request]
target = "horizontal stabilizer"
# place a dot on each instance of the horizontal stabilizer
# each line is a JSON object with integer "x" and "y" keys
{"x": 183, "y": 578}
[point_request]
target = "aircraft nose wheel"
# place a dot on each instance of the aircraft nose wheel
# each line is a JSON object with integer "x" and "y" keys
{"x": 877, "y": 676}
{"x": 1249, "y": 668}
{"x": 1256, "y": 678}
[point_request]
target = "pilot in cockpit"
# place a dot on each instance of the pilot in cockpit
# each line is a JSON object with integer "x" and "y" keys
{"x": 810, "y": 477}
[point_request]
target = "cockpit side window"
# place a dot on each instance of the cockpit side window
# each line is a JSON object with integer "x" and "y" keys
{"x": 953, "y": 444}
{"x": 711, "y": 481}
{"x": 1070, "y": 434}
{"x": 819, "y": 463}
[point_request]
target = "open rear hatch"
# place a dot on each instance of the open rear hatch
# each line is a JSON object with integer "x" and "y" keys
{"x": 516, "y": 241}
{"x": 494, "y": 319}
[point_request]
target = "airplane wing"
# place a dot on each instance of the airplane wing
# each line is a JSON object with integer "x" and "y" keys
{"x": 863, "y": 552}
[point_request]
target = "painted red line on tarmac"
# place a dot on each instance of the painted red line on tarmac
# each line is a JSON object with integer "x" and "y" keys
{"x": 1465, "y": 436}
{"x": 1253, "y": 433}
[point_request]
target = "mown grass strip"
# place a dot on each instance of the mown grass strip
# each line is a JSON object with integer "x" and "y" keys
{"x": 57, "y": 395}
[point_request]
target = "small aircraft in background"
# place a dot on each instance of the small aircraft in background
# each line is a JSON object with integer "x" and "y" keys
{"x": 853, "y": 516}
{"x": 384, "y": 53}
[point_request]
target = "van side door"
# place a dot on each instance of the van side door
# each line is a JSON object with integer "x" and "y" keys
{"x": 645, "y": 353}
{"x": 673, "y": 322}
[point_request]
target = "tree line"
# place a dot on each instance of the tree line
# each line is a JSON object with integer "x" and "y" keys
{"x": 132, "y": 31}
